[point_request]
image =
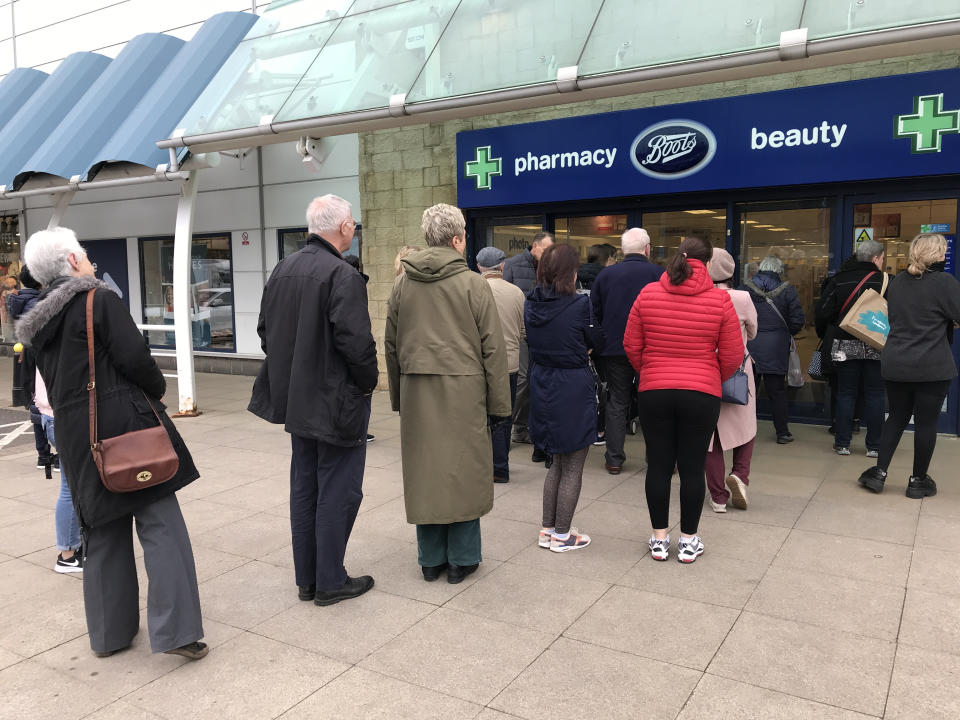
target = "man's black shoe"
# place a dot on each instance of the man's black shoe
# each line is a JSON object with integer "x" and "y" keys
{"x": 539, "y": 455}
{"x": 432, "y": 573}
{"x": 352, "y": 588}
{"x": 548, "y": 463}
{"x": 306, "y": 592}
{"x": 921, "y": 487}
{"x": 873, "y": 479}
{"x": 456, "y": 573}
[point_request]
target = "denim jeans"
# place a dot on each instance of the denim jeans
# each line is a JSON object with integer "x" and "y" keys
{"x": 850, "y": 373}
{"x": 68, "y": 529}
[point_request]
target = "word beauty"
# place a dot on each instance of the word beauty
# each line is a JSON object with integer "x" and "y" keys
{"x": 824, "y": 134}
{"x": 576, "y": 158}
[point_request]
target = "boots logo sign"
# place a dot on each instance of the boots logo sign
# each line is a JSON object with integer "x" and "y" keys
{"x": 673, "y": 149}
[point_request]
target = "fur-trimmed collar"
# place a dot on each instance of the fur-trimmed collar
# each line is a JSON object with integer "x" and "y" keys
{"x": 51, "y": 303}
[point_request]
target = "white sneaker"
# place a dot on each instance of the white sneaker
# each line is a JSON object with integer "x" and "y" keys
{"x": 738, "y": 492}
{"x": 545, "y": 536}
{"x": 575, "y": 540}
{"x": 688, "y": 550}
{"x": 718, "y": 507}
{"x": 659, "y": 549}
{"x": 873, "y": 453}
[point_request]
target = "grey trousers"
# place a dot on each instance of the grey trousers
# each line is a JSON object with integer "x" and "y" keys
{"x": 521, "y": 404}
{"x": 110, "y": 588}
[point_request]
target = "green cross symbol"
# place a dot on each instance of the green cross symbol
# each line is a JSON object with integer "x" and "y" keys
{"x": 928, "y": 123}
{"x": 483, "y": 167}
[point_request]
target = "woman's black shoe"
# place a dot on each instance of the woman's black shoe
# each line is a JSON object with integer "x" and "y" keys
{"x": 456, "y": 573}
{"x": 784, "y": 439}
{"x": 548, "y": 463}
{"x": 432, "y": 573}
{"x": 873, "y": 479}
{"x": 191, "y": 651}
{"x": 921, "y": 487}
{"x": 539, "y": 455}
{"x": 306, "y": 592}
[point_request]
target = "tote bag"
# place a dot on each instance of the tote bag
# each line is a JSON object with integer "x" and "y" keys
{"x": 868, "y": 319}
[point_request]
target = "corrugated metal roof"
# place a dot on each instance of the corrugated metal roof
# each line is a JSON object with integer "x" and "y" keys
{"x": 16, "y": 88}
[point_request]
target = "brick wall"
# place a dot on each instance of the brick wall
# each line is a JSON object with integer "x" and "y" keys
{"x": 405, "y": 170}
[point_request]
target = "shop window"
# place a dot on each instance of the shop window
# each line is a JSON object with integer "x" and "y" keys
{"x": 582, "y": 232}
{"x": 513, "y": 235}
{"x": 211, "y": 291}
{"x": 9, "y": 270}
{"x": 895, "y": 224}
{"x": 292, "y": 239}
{"x": 667, "y": 229}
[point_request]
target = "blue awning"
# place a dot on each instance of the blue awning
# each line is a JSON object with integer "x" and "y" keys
{"x": 16, "y": 88}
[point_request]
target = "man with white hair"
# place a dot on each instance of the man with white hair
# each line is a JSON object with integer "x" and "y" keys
{"x": 317, "y": 378}
{"x": 614, "y": 292}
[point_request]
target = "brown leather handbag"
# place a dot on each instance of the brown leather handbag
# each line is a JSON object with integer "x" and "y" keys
{"x": 135, "y": 460}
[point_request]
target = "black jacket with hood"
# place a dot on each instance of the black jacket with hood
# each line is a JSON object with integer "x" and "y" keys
{"x": 56, "y": 329}
{"x": 837, "y": 294}
{"x": 321, "y": 364}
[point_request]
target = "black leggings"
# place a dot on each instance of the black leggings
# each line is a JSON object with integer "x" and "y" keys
{"x": 677, "y": 427}
{"x": 922, "y": 400}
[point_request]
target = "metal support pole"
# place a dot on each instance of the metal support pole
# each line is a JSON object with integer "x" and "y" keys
{"x": 60, "y": 208}
{"x": 182, "y": 305}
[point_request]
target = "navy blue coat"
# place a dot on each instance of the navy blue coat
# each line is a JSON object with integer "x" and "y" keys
{"x": 613, "y": 294}
{"x": 22, "y": 302}
{"x": 563, "y": 400}
{"x": 770, "y": 349}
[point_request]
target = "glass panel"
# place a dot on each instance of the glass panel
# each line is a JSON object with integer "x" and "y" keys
{"x": 801, "y": 239}
{"x": 6, "y": 56}
{"x": 582, "y": 232}
{"x": 292, "y": 239}
{"x": 513, "y": 235}
{"x": 280, "y": 17}
{"x": 896, "y": 223}
{"x": 211, "y": 285}
{"x": 828, "y": 18}
{"x": 667, "y": 229}
{"x": 662, "y": 31}
{"x": 369, "y": 58}
{"x": 6, "y": 26}
{"x": 9, "y": 269}
{"x": 497, "y": 45}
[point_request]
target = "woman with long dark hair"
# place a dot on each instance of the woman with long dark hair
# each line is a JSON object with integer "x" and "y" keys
{"x": 683, "y": 339}
{"x": 563, "y": 401}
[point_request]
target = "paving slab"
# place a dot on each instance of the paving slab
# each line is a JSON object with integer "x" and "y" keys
{"x": 924, "y": 685}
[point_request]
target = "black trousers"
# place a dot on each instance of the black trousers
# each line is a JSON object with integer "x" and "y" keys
{"x": 776, "y": 386}
{"x": 618, "y": 373}
{"x": 325, "y": 494}
{"x": 677, "y": 427}
{"x": 923, "y": 401}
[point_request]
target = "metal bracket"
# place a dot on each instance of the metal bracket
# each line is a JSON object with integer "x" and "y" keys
{"x": 567, "y": 78}
{"x": 63, "y": 201}
{"x": 793, "y": 44}
{"x": 398, "y": 105}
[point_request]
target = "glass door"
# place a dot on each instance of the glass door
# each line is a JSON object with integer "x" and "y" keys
{"x": 585, "y": 231}
{"x": 667, "y": 229}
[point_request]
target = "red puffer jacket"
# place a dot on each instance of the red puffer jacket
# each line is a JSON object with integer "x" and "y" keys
{"x": 683, "y": 337}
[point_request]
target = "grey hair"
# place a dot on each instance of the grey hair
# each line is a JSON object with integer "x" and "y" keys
{"x": 47, "y": 252}
{"x": 635, "y": 240}
{"x": 326, "y": 214}
{"x": 441, "y": 223}
{"x": 868, "y": 250}
{"x": 771, "y": 263}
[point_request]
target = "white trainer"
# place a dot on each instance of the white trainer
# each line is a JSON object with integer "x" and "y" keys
{"x": 659, "y": 549}
{"x": 689, "y": 549}
{"x": 738, "y": 492}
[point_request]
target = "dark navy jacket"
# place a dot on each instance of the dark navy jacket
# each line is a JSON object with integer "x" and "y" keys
{"x": 613, "y": 294}
{"x": 22, "y": 302}
{"x": 563, "y": 401}
{"x": 521, "y": 270}
{"x": 770, "y": 349}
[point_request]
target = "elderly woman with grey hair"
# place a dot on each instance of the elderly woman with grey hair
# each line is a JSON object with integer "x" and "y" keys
{"x": 779, "y": 318}
{"x": 129, "y": 386}
{"x": 855, "y": 363}
{"x": 447, "y": 367}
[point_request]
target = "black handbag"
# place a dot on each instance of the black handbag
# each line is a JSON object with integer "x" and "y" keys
{"x": 736, "y": 388}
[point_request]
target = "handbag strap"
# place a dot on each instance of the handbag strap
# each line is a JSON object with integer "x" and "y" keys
{"x": 860, "y": 285}
{"x": 777, "y": 311}
{"x": 883, "y": 289}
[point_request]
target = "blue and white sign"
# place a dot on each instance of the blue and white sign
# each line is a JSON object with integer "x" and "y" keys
{"x": 899, "y": 126}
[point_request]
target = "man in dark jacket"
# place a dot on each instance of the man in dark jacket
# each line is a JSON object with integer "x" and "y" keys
{"x": 614, "y": 292}
{"x": 777, "y": 322}
{"x": 317, "y": 378}
{"x": 598, "y": 257}
{"x": 521, "y": 270}
{"x": 855, "y": 363}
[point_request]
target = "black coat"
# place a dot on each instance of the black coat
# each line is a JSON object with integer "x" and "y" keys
{"x": 56, "y": 330}
{"x": 521, "y": 270}
{"x": 321, "y": 364}
{"x": 587, "y": 273}
{"x": 614, "y": 292}
{"x": 770, "y": 349}
{"x": 836, "y": 295}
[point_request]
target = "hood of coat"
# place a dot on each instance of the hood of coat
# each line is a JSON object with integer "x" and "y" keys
{"x": 697, "y": 283}
{"x": 860, "y": 267}
{"x": 18, "y": 303}
{"x": 544, "y": 304}
{"x": 43, "y": 322}
{"x": 434, "y": 263}
{"x": 767, "y": 280}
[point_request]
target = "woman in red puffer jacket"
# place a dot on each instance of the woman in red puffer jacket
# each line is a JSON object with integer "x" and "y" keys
{"x": 682, "y": 338}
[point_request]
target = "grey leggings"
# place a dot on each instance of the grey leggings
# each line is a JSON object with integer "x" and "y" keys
{"x": 561, "y": 489}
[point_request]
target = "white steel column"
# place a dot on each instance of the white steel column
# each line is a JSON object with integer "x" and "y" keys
{"x": 182, "y": 304}
{"x": 59, "y": 208}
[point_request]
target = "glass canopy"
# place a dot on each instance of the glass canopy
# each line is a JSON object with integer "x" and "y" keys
{"x": 311, "y": 58}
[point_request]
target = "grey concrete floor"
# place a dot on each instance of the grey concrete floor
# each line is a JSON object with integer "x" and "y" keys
{"x": 820, "y": 601}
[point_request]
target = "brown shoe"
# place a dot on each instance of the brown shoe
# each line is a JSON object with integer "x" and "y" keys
{"x": 613, "y": 469}
{"x": 191, "y": 651}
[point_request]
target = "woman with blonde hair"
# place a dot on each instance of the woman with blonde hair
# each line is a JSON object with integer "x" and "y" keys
{"x": 401, "y": 254}
{"x": 917, "y": 363}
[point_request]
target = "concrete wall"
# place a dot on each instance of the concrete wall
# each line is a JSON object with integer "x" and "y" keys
{"x": 405, "y": 170}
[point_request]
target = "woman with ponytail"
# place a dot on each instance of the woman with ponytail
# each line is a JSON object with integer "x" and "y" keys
{"x": 916, "y": 363}
{"x": 683, "y": 339}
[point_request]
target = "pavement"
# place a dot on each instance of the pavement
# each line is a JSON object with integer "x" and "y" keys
{"x": 820, "y": 601}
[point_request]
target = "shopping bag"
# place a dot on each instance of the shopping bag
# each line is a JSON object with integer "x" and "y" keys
{"x": 794, "y": 368}
{"x": 868, "y": 319}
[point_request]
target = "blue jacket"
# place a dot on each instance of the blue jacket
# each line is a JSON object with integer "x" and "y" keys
{"x": 521, "y": 270}
{"x": 22, "y": 302}
{"x": 563, "y": 400}
{"x": 613, "y": 294}
{"x": 770, "y": 349}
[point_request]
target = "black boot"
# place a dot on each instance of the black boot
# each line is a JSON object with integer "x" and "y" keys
{"x": 432, "y": 573}
{"x": 921, "y": 487}
{"x": 873, "y": 479}
{"x": 456, "y": 573}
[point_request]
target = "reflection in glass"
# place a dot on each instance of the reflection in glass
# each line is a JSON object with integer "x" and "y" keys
{"x": 9, "y": 270}
{"x": 895, "y": 224}
{"x": 292, "y": 239}
{"x": 667, "y": 229}
{"x": 829, "y": 18}
{"x": 513, "y": 235}
{"x": 582, "y": 232}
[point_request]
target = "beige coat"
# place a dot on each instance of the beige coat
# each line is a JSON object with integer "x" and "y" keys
{"x": 738, "y": 423}
{"x": 509, "y": 299}
{"x": 447, "y": 369}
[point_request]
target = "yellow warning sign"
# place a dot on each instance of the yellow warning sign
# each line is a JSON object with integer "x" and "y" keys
{"x": 860, "y": 235}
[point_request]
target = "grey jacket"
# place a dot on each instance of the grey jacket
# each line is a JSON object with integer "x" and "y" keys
{"x": 521, "y": 270}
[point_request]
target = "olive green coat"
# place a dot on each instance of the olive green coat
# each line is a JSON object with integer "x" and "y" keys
{"x": 447, "y": 368}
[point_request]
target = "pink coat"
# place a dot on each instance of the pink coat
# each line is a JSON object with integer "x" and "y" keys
{"x": 738, "y": 423}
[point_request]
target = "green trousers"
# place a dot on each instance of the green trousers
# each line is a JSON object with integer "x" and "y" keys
{"x": 455, "y": 543}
